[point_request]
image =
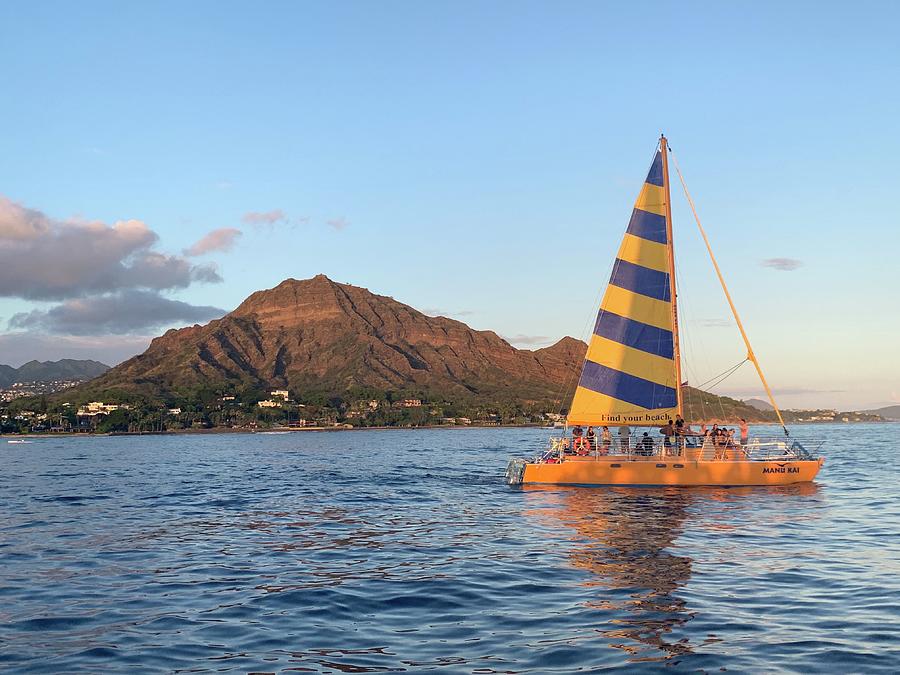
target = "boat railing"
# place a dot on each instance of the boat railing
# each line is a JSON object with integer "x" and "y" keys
{"x": 783, "y": 447}
{"x": 639, "y": 448}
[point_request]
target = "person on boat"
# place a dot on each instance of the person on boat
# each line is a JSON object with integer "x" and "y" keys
{"x": 745, "y": 432}
{"x": 580, "y": 445}
{"x": 715, "y": 435}
{"x": 668, "y": 432}
{"x": 605, "y": 440}
{"x": 591, "y": 438}
{"x": 708, "y": 445}
{"x": 734, "y": 451}
{"x": 681, "y": 430}
{"x": 625, "y": 439}
{"x": 719, "y": 441}
{"x": 645, "y": 447}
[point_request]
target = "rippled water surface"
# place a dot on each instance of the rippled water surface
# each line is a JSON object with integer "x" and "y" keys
{"x": 392, "y": 551}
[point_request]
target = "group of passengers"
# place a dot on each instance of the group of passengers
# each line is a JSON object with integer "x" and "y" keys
{"x": 676, "y": 436}
{"x": 585, "y": 442}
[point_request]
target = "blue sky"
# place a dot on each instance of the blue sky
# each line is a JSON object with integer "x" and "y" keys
{"x": 478, "y": 160}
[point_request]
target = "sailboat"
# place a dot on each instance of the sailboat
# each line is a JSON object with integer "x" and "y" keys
{"x": 631, "y": 377}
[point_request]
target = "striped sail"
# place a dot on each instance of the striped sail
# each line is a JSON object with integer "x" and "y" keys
{"x": 629, "y": 374}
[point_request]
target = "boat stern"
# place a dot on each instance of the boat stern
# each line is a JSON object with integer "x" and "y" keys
{"x": 515, "y": 471}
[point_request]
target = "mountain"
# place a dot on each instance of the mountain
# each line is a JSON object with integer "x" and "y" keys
{"x": 7, "y": 375}
{"x": 319, "y": 337}
{"x": 316, "y": 335}
{"x": 891, "y": 412}
{"x": 64, "y": 369}
{"x": 759, "y": 404}
{"x": 49, "y": 371}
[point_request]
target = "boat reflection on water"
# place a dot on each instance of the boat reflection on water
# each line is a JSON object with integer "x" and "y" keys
{"x": 626, "y": 538}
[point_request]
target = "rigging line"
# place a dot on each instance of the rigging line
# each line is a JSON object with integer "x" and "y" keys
{"x": 693, "y": 375}
{"x": 687, "y": 311}
{"x": 726, "y": 372}
{"x": 720, "y": 381}
{"x": 693, "y": 339}
{"x": 734, "y": 311}
{"x": 688, "y": 307}
{"x": 687, "y": 304}
{"x": 688, "y": 343}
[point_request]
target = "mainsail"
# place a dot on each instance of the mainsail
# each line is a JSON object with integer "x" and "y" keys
{"x": 630, "y": 374}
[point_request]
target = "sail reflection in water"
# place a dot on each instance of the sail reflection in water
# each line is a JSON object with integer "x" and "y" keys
{"x": 627, "y": 539}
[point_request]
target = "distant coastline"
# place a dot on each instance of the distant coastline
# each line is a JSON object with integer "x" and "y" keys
{"x": 449, "y": 427}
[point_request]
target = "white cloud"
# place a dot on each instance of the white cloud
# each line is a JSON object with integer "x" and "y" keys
{"x": 434, "y": 311}
{"x": 338, "y": 223}
{"x": 528, "y": 340}
{"x": 715, "y": 323}
{"x": 264, "y": 217}
{"x": 46, "y": 259}
{"x": 222, "y": 239}
{"x": 782, "y": 264}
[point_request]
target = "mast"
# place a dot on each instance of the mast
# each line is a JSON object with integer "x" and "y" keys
{"x": 664, "y": 150}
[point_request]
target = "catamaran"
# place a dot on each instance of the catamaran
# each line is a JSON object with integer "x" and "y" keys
{"x": 631, "y": 377}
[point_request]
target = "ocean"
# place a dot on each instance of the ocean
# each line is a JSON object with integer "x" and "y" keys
{"x": 404, "y": 551}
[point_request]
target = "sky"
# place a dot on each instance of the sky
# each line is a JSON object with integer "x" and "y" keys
{"x": 161, "y": 161}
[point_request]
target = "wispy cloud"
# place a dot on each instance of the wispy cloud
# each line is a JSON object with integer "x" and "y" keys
{"x": 434, "y": 311}
{"x": 126, "y": 312}
{"x": 42, "y": 258}
{"x": 265, "y": 217}
{"x": 528, "y": 340}
{"x": 338, "y": 223}
{"x": 222, "y": 239}
{"x": 783, "y": 391}
{"x": 782, "y": 264}
{"x": 715, "y": 323}
{"x": 278, "y": 217}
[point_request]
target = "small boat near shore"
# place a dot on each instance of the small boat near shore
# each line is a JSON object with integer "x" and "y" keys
{"x": 631, "y": 377}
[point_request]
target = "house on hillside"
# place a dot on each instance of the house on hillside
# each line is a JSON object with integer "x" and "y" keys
{"x": 95, "y": 408}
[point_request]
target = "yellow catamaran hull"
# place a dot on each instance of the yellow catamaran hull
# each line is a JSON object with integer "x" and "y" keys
{"x": 671, "y": 471}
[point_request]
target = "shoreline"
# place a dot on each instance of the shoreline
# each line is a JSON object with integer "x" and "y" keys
{"x": 287, "y": 430}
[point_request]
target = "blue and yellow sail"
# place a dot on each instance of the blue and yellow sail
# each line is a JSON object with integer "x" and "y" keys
{"x": 630, "y": 374}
